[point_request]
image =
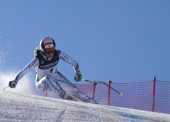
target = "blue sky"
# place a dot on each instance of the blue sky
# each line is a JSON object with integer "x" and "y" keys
{"x": 122, "y": 41}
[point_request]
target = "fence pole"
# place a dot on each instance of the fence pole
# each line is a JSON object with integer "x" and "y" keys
{"x": 109, "y": 89}
{"x": 46, "y": 93}
{"x": 94, "y": 89}
{"x": 154, "y": 91}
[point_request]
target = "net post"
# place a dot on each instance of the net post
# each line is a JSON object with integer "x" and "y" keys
{"x": 94, "y": 89}
{"x": 46, "y": 93}
{"x": 109, "y": 91}
{"x": 153, "y": 93}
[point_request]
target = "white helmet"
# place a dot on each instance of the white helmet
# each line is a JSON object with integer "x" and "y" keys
{"x": 47, "y": 43}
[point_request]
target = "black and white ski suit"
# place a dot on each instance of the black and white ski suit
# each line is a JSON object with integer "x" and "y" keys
{"x": 49, "y": 79}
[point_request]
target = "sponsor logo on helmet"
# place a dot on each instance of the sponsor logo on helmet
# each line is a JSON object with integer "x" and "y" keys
{"x": 47, "y": 40}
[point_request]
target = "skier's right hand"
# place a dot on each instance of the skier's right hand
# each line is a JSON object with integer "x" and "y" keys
{"x": 12, "y": 84}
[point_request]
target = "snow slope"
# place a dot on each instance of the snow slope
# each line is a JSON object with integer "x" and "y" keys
{"x": 23, "y": 107}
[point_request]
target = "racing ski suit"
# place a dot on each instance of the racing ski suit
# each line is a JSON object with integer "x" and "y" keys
{"x": 49, "y": 79}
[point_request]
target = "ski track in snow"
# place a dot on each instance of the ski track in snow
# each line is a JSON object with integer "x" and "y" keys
{"x": 17, "y": 107}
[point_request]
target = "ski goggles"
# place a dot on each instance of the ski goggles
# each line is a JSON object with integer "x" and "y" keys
{"x": 49, "y": 50}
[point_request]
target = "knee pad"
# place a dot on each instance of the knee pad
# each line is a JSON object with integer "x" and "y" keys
{"x": 42, "y": 84}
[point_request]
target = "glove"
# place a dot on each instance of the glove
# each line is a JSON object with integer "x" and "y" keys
{"x": 78, "y": 77}
{"x": 12, "y": 84}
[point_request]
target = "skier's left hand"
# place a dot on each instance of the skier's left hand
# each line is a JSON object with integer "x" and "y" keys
{"x": 78, "y": 77}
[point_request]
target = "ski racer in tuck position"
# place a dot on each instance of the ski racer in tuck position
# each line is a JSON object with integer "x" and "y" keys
{"x": 48, "y": 78}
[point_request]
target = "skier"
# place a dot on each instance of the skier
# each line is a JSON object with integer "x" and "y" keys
{"x": 45, "y": 60}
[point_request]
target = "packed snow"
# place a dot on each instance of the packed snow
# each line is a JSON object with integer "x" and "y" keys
{"x": 17, "y": 107}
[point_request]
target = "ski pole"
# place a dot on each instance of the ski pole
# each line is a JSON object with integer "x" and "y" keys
{"x": 119, "y": 92}
{"x": 82, "y": 79}
{"x": 5, "y": 88}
